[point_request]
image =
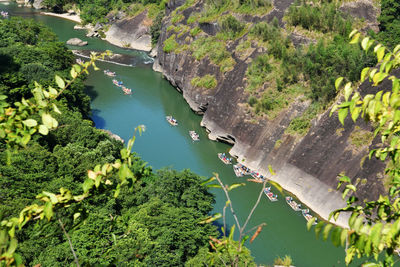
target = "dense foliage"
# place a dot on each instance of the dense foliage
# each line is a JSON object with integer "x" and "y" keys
{"x": 30, "y": 52}
{"x": 389, "y": 22}
{"x": 154, "y": 222}
{"x": 319, "y": 16}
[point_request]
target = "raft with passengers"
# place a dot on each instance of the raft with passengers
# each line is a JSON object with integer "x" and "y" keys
{"x": 110, "y": 73}
{"x": 127, "y": 91}
{"x": 293, "y": 204}
{"x": 172, "y": 120}
{"x": 117, "y": 83}
{"x": 224, "y": 158}
{"x": 308, "y": 216}
{"x": 241, "y": 170}
{"x": 195, "y": 136}
{"x": 271, "y": 196}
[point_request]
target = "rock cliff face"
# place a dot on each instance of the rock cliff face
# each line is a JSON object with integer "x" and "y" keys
{"x": 131, "y": 33}
{"x": 306, "y": 166}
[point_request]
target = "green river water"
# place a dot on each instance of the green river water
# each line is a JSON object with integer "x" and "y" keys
{"x": 162, "y": 145}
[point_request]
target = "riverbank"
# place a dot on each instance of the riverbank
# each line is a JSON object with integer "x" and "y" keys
{"x": 69, "y": 16}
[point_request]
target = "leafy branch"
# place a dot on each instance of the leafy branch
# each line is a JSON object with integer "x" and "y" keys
{"x": 374, "y": 226}
{"x": 227, "y": 247}
{"x": 17, "y": 125}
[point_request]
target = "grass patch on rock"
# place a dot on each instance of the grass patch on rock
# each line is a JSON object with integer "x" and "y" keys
{"x": 215, "y": 50}
{"x": 360, "y": 138}
{"x": 208, "y": 82}
{"x": 170, "y": 44}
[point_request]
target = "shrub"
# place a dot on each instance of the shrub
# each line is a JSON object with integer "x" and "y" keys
{"x": 177, "y": 18}
{"x": 286, "y": 261}
{"x": 323, "y": 17}
{"x": 300, "y": 125}
{"x": 265, "y": 31}
{"x": 170, "y": 44}
{"x": 36, "y": 72}
{"x": 155, "y": 28}
{"x": 389, "y": 22}
{"x": 257, "y": 72}
{"x": 252, "y": 101}
{"x": 231, "y": 27}
{"x": 195, "y": 31}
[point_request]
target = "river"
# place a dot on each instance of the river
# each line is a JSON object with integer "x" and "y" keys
{"x": 163, "y": 145}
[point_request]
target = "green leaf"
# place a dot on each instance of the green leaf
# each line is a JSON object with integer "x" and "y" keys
{"x": 355, "y": 113}
{"x": 76, "y": 215}
{"x": 370, "y": 264}
{"x": 43, "y": 129}
{"x": 358, "y": 223}
{"x": 271, "y": 170}
{"x": 335, "y": 236}
{"x": 342, "y": 115}
{"x": 345, "y": 192}
{"x": 12, "y": 246}
{"x": 60, "y": 82}
{"x": 343, "y": 236}
{"x": 211, "y": 218}
{"x": 236, "y": 185}
{"x": 364, "y": 73}
{"x": 397, "y": 48}
{"x": 349, "y": 255}
{"x": 49, "y": 121}
{"x": 352, "y": 33}
{"x": 376, "y": 234}
{"x": 48, "y": 210}
{"x": 352, "y": 220}
{"x": 214, "y": 186}
{"x": 53, "y": 91}
{"x": 73, "y": 73}
{"x": 386, "y": 99}
{"x": 30, "y": 122}
{"x": 372, "y": 73}
{"x": 25, "y": 139}
{"x": 18, "y": 259}
{"x": 87, "y": 185}
{"x": 364, "y": 43}
{"x": 347, "y": 91}
{"x": 310, "y": 223}
{"x": 351, "y": 187}
{"x": 52, "y": 197}
{"x": 318, "y": 228}
{"x": 380, "y": 53}
{"x": 338, "y": 82}
{"x": 208, "y": 181}
{"x": 277, "y": 186}
{"x": 77, "y": 68}
{"x": 355, "y": 38}
{"x": 326, "y": 231}
{"x": 55, "y": 108}
{"x": 117, "y": 191}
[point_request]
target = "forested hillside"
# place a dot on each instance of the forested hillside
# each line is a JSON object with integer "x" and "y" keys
{"x": 154, "y": 222}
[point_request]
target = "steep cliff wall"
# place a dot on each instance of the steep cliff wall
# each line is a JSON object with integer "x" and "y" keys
{"x": 306, "y": 166}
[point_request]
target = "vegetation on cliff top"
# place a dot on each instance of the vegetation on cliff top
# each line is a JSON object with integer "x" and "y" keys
{"x": 280, "y": 71}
